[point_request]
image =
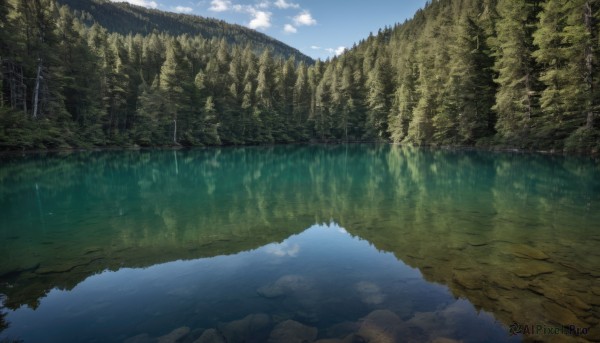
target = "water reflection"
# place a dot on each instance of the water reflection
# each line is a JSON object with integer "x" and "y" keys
{"x": 515, "y": 235}
{"x": 334, "y": 284}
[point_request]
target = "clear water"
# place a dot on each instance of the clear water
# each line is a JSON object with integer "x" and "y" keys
{"x": 386, "y": 243}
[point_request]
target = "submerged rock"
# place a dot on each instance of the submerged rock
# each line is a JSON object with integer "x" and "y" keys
{"x": 533, "y": 268}
{"x": 291, "y": 331}
{"x": 249, "y": 328}
{"x": 343, "y": 329}
{"x": 468, "y": 280}
{"x": 561, "y": 315}
{"x": 141, "y": 338}
{"x": 192, "y": 336}
{"x": 444, "y": 340}
{"x": 491, "y": 293}
{"x": 285, "y": 285}
{"x": 369, "y": 292}
{"x": 382, "y": 326}
{"x": 174, "y": 335}
{"x": 211, "y": 336}
{"x": 352, "y": 338}
{"x": 525, "y": 251}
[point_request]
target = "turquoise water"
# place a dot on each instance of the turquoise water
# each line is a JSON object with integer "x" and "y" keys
{"x": 383, "y": 243}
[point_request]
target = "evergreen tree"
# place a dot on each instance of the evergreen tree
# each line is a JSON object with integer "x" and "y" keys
{"x": 176, "y": 85}
{"x": 378, "y": 104}
{"x": 322, "y": 118}
{"x": 420, "y": 130}
{"x": 301, "y": 102}
{"x": 557, "y": 119}
{"x": 152, "y": 106}
{"x": 472, "y": 67}
{"x": 65, "y": 81}
{"x": 516, "y": 100}
{"x": 210, "y": 134}
{"x": 265, "y": 111}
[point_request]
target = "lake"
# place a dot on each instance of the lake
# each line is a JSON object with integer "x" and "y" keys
{"x": 356, "y": 243}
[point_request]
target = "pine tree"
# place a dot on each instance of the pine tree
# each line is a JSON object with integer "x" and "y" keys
{"x": 117, "y": 83}
{"x": 322, "y": 117}
{"x": 80, "y": 83}
{"x": 472, "y": 66}
{"x": 210, "y": 134}
{"x": 580, "y": 35}
{"x": 285, "y": 90}
{"x": 264, "y": 110}
{"x": 6, "y": 31}
{"x": 420, "y": 130}
{"x": 37, "y": 21}
{"x": 301, "y": 102}
{"x": 378, "y": 100}
{"x": 517, "y": 97}
{"x": 176, "y": 85}
{"x": 152, "y": 106}
{"x": 554, "y": 103}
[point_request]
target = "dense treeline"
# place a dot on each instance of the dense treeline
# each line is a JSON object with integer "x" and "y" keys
{"x": 124, "y": 18}
{"x": 461, "y": 72}
{"x": 520, "y": 73}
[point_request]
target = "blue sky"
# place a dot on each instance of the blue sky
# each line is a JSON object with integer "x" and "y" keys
{"x": 318, "y": 28}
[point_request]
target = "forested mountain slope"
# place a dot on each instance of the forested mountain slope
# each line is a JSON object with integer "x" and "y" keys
{"x": 125, "y": 18}
{"x": 507, "y": 73}
{"x": 515, "y": 73}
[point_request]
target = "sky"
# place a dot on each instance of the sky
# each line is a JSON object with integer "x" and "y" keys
{"x": 318, "y": 28}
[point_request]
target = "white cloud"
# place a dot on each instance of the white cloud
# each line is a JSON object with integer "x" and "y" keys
{"x": 304, "y": 18}
{"x": 283, "y": 249}
{"x": 332, "y": 51}
{"x": 340, "y": 50}
{"x": 264, "y": 4}
{"x": 260, "y": 20}
{"x": 283, "y": 4}
{"x": 288, "y": 28}
{"x": 219, "y": 5}
{"x": 183, "y": 9}
{"x": 143, "y": 3}
{"x": 260, "y": 17}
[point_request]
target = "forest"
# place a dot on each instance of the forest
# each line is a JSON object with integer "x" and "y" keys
{"x": 489, "y": 73}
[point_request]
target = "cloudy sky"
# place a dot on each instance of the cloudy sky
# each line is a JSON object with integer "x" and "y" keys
{"x": 318, "y": 28}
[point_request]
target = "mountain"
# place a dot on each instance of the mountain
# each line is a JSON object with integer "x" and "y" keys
{"x": 125, "y": 18}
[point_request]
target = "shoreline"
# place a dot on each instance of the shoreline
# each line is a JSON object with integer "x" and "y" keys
{"x": 58, "y": 151}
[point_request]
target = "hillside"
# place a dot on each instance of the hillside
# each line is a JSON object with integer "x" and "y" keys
{"x": 493, "y": 73}
{"x": 125, "y": 18}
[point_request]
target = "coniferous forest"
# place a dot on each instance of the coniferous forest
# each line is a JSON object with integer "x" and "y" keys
{"x": 493, "y": 73}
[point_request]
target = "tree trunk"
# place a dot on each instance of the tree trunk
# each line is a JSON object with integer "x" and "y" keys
{"x": 36, "y": 92}
{"x": 175, "y": 131}
{"x": 589, "y": 63}
{"x": 1, "y": 82}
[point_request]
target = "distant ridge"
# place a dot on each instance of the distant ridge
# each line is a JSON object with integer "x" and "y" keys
{"x": 125, "y": 18}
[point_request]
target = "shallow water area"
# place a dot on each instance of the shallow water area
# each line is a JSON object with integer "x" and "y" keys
{"x": 379, "y": 243}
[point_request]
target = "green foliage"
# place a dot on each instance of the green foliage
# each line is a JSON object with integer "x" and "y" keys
{"x": 519, "y": 73}
{"x": 517, "y": 104}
